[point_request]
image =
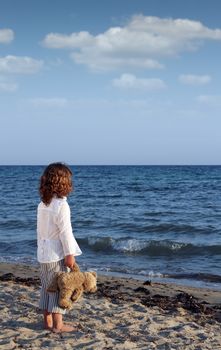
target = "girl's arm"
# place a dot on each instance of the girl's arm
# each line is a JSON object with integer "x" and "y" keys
{"x": 69, "y": 244}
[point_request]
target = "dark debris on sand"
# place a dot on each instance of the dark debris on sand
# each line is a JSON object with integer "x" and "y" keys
{"x": 28, "y": 281}
{"x": 118, "y": 293}
{"x": 148, "y": 299}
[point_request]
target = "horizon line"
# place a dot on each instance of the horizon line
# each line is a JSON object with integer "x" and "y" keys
{"x": 112, "y": 164}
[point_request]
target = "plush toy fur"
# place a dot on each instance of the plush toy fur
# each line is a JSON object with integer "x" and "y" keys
{"x": 71, "y": 285}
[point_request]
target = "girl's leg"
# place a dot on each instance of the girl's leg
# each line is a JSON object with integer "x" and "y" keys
{"x": 59, "y": 326}
{"x": 49, "y": 301}
{"x": 48, "y": 321}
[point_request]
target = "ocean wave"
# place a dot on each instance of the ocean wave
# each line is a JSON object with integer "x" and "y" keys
{"x": 18, "y": 247}
{"x": 151, "y": 247}
{"x": 26, "y": 260}
{"x": 205, "y": 277}
{"x": 126, "y": 245}
{"x": 17, "y": 224}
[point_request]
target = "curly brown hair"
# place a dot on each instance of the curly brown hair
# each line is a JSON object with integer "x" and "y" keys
{"x": 56, "y": 180}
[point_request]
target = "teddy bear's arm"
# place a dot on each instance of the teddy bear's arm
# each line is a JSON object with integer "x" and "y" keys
{"x": 77, "y": 294}
{"x": 65, "y": 298}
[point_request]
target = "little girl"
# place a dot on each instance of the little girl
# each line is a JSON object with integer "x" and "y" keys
{"x": 57, "y": 246}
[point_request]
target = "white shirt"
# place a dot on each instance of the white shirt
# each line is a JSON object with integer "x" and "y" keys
{"x": 54, "y": 231}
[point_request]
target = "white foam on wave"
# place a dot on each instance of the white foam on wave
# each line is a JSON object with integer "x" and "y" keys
{"x": 133, "y": 244}
{"x": 150, "y": 274}
{"x": 172, "y": 245}
{"x": 129, "y": 245}
{"x": 93, "y": 240}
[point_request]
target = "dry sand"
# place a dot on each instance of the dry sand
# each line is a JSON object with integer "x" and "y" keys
{"x": 123, "y": 314}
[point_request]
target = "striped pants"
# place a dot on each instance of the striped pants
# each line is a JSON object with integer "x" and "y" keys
{"x": 49, "y": 301}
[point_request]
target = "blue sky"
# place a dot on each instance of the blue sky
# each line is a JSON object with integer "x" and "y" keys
{"x": 110, "y": 82}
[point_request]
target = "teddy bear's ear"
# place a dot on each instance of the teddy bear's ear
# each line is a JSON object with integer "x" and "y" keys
{"x": 94, "y": 273}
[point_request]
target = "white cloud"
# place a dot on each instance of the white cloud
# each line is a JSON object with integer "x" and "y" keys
{"x": 62, "y": 41}
{"x": 49, "y": 102}
{"x": 140, "y": 43}
{"x": 20, "y": 65}
{"x": 130, "y": 81}
{"x": 211, "y": 100}
{"x": 6, "y": 36}
{"x": 97, "y": 62}
{"x": 7, "y": 86}
{"x": 191, "y": 79}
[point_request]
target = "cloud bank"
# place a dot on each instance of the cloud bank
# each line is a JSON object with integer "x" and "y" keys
{"x": 210, "y": 100}
{"x": 20, "y": 65}
{"x": 190, "y": 79}
{"x": 49, "y": 102}
{"x": 130, "y": 81}
{"x": 7, "y": 86}
{"x": 141, "y": 43}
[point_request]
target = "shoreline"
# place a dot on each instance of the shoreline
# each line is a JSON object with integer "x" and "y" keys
{"x": 168, "y": 289}
{"x": 125, "y": 313}
{"x": 208, "y": 281}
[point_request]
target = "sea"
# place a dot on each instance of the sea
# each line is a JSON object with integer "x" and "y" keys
{"x": 158, "y": 223}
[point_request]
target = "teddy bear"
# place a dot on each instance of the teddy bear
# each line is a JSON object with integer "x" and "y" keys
{"x": 71, "y": 285}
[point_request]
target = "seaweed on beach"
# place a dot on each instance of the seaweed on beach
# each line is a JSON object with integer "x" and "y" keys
{"x": 171, "y": 303}
{"x": 119, "y": 293}
{"x": 28, "y": 281}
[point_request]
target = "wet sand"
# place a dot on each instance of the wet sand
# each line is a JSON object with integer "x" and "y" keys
{"x": 123, "y": 314}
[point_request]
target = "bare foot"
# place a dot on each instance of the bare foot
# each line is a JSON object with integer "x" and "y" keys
{"x": 65, "y": 328}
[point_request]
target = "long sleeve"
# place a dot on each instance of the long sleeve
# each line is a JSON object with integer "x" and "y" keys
{"x": 68, "y": 241}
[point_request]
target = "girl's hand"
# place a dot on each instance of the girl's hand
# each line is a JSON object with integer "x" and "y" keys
{"x": 69, "y": 261}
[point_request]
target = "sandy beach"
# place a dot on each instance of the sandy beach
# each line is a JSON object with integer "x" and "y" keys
{"x": 123, "y": 314}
